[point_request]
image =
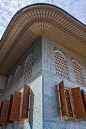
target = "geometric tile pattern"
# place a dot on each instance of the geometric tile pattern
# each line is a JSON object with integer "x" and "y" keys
{"x": 28, "y": 67}
{"x": 17, "y": 78}
{"x": 78, "y": 73}
{"x": 50, "y": 104}
{"x": 61, "y": 64}
{"x": 8, "y": 86}
{"x": 48, "y": 62}
{"x": 50, "y": 108}
{"x": 37, "y": 56}
{"x": 36, "y": 104}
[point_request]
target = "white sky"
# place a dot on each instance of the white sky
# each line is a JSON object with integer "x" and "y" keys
{"x": 77, "y": 8}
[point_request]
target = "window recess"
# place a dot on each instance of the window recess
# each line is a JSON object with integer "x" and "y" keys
{"x": 66, "y": 103}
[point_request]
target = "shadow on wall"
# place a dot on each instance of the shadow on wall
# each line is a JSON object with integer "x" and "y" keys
{"x": 31, "y": 109}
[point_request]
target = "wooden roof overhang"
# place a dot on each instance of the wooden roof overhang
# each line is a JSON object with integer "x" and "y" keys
{"x": 37, "y": 20}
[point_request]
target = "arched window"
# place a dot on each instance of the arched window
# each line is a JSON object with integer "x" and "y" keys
{"x": 61, "y": 64}
{"x": 17, "y": 78}
{"x": 9, "y": 83}
{"x": 78, "y": 73}
{"x": 28, "y": 67}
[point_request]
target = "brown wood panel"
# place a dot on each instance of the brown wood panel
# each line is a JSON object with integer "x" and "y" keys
{"x": 1, "y": 111}
{"x": 10, "y": 106}
{"x": 78, "y": 103}
{"x": 4, "y": 113}
{"x": 15, "y": 110}
{"x": 1, "y": 108}
{"x": 83, "y": 99}
{"x": 25, "y": 101}
{"x": 0, "y": 122}
{"x": 63, "y": 99}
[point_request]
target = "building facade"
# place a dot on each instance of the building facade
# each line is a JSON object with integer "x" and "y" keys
{"x": 41, "y": 47}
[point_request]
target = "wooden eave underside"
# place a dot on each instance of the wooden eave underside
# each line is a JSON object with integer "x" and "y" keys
{"x": 40, "y": 20}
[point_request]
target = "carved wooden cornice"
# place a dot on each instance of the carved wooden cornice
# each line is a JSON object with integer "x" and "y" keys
{"x": 37, "y": 20}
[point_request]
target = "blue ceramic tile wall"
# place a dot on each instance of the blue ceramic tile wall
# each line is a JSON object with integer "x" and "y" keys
{"x": 51, "y": 117}
{"x": 44, "y": 108}
{"x": 35, "y": 82}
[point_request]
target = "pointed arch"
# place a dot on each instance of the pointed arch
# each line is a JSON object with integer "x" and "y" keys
{"x": 17, "y": 77}
{"x": 78, "y": 73}
{"x": 28, "y": 67}
{"x": 9, "y": 83}
{"x": 61, "y": 64}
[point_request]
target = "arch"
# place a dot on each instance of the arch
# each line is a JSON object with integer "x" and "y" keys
{"x": 9, "y": 83}
{"x": 61, "y": 64}
{"x": 28, "y": 67}
{"x": 78, "y": 73}
{"x": 17, "y": 77}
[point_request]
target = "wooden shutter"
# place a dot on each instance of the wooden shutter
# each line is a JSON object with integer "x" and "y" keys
{"x": 78, "y": 103}
{"x": 1, "y": 108}
{"x": 4, "y": 112}
{"x": 63, "y": 99}
{"x": 25, "y": 101}
{"x": 10, "y": 106}
{"x": 83, "y": 99}
{"x": 15, "y": 110}
{"x": 0, "y": 112}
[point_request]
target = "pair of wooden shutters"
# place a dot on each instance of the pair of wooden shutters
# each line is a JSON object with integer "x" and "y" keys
{"x": 11, "y": 108}
{"x": 77, "y": 101}
{"x": 15, "y": 111}
{"x": 5, "y": 112}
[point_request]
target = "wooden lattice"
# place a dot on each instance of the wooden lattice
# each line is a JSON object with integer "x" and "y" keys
{"x": 17, "y": 78}
{"x": 78, "y": 73}
{"x": 61, "y": 64}
{"x": 28, "y": 67}
{"x": 8, "y": 86}
{"x": 69, "y": 103}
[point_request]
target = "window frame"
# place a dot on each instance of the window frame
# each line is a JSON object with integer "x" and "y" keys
{"x": 66, "y": 118}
